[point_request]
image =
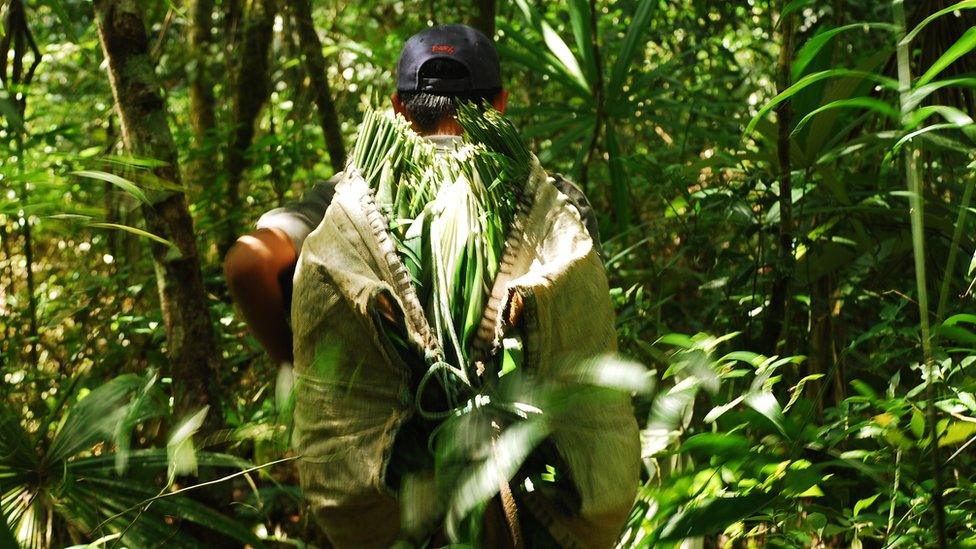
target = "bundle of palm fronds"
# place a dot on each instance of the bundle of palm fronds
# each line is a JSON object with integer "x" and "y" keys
{"x": 448, "y": 211}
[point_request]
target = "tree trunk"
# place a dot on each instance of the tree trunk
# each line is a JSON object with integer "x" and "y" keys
{"x": 9, "y": 331}
{"x": 484, "y": 18}
{"x": 142, "y": 116}
{"x": 777, "y": 316}
{"x": 202, "y": 102}
{"x": 315, "y": 68}
{"x": 16, "y": 33}
{"x": 251, "y": 90}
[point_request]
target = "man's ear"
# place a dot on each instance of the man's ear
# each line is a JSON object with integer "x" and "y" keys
{"x": 501, "y": 101}
{"x": 397, "y": 104}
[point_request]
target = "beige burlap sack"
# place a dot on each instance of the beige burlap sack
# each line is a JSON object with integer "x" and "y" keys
{"x": 353, "y": 392}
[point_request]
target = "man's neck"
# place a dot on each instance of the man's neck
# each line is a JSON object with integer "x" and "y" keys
{"x": 448, "y": 126}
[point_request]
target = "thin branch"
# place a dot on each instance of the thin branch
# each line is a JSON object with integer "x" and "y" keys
{"x": 149, "y": 501}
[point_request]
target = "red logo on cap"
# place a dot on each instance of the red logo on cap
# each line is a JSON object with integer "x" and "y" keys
{"x": 442, "y": 48}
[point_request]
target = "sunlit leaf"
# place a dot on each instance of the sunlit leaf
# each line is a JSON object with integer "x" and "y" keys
{"x": 958, "y": 431}
{"x": 918, "y": 93}
{"x": 869, "y": 103}
{"x": 961, "y": 47}
{"x": 580, "y": 19}
{"x": 933, "y": 128}
{"x": 718, "y": 444}
{"x": 767, "y": 405}
{"x": 812, "y": 47}
{"x": 965, "y": 4}
{"x": 180, "y": 451}
{"x": 811, "y": 79}
{"x": 720, "y": 410}
{"x": 136, "y": 231}
{"x": 94, "y": 418}
{"x": 116, "y": 180}
{"x": 864, "y": 503}
{"x": 507, "y": 454}
{"x": 611, "y": 372}
{"x": 797, "y": 389}
{"x": 563, "y": 53}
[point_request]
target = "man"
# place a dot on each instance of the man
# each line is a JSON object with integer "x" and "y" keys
{"x": 352, "y": 414}
{"x": 259, "y": 267}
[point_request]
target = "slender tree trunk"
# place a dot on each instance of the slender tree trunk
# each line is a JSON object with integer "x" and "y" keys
{"x": 10, "y": 290}
{"x": 484, "y": 17}
{"x": 142, "y": 116}
{"x": 17, "y": 33}
{"x": 776, "y": 326}
{"x": 315, "y": 68}
{"x": 598, "y": 120}
{"x": 822, "y": 348}
{"x": 251, "y": 90}
{"x": 33, "y": 332}
{"x": 202, "y": 101}
{"x": 917, "y": 215}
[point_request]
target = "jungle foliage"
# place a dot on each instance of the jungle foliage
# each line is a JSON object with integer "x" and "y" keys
{"x": 785, "y": 197}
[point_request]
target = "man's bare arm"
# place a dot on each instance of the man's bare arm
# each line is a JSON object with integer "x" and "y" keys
{"x": 255, "y": 267}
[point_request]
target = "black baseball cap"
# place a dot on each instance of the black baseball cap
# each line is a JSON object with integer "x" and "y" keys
{"x": 461, "y": 43}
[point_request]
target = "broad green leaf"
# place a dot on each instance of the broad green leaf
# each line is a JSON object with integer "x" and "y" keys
{"x": 679, "y": 340}
{"x": 811, "y": 79}
{"x": 94, "y": 418}
{"x": 767, "y": 405}
{"x": 720, "y": 410}
{"x": 812, "y": 47}
{"x": 559, "y": 55}
{"x": 870, "y": 103}
{"x": 543, "y": 64}
{"x": 797, "y": 390}
{"x": 963, "y": 46}
{"x": 862, "y": 503}
{"x": 968, "y": 399}
{"x": 933, "y": 128}
{"x": 563, "y": 54}
{"x": 633, "y": 39}
{"x": 957, "y": 432}
{"x": 713, "y": 515}
{"x": 718, "y": 444}
{"x": 180, "y": 452}
{"x": 917, "y": 423}
{"x": 919, "y": 93}
{"x": 580, "y": 20}
{"x": 962, "y": 317}
{"x": 482, "y": 482}
{"x": 119, "y": 182}
{"x": 950, "y": 114}
{"x": 130, "y": 161}
{"x": 610, "y": 372}
{"x": 744, "y": 356}
{"x": 965, "y": 4}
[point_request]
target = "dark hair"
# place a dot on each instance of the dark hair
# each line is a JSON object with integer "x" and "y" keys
{"x": 427, "y": 110}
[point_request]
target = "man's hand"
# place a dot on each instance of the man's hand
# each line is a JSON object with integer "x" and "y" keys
{"x": 255, "y": 267}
